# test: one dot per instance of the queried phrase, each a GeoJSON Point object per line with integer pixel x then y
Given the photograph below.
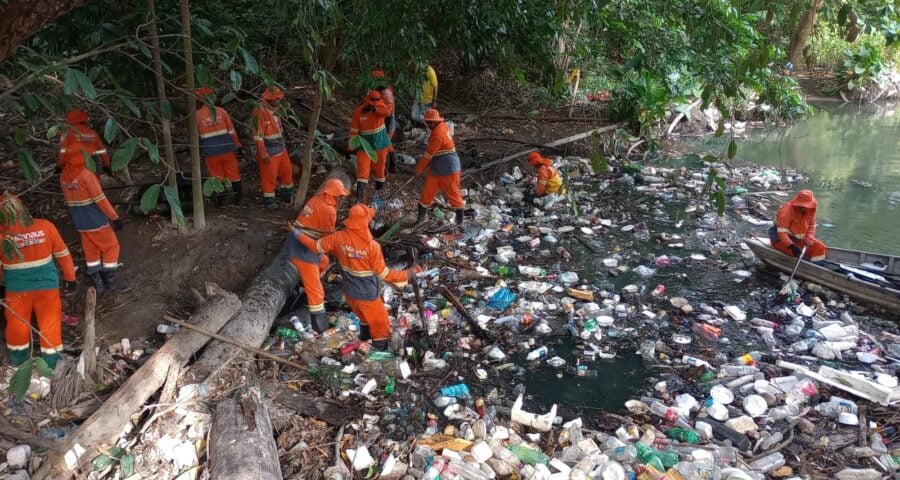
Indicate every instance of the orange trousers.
{"type": "Point", "coordinates": [224, 166]}
{"type": "Point", "coordinates": [101, 249]}
{"type": "Point", "coordinates": [364, 166]}
{"type": "Point", "coordinates": [311, 277]}
{"type": "Point", "coordinates": [374, 314]}
{"type": "Point", "coordinates": [46, 305]}
{"type": "Point", "coordinates": [449, 184]}
{"type": "Point", "coordinates": [814, 252]}
{"type": "Point", "coordinates": [279, 168]}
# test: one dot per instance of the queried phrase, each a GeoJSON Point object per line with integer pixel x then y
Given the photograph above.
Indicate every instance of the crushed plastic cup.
{"type": "Point", "coordinates": [755, 405]}
{"type": "Point", "coordinates": [717, 411]}
{"type": "Point", "coordinates": [847, 418]}
{"type": "Point", "coordinates": [721, 394]}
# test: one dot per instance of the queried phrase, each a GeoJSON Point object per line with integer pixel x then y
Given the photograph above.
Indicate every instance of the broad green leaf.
{"type": "Point", "coordinates": [28, 167]}
{"type": "Point", "coordinates": [174, 203]}
{"type": "Point", "coordinates": [166, 108]}
{"type": "Point", "coordinates": [720, 129]}
{"type": "Point", "coordinates": [21, 379]}
{"type": "Point", "coordinates": [360, 142]}
{"type": "Point", "coordinates": [21, 137]}
{"type": "Point", "coordinates": [692, 159]}
{"type": "Point", "coordinates": [250, 65]}
{"type": "Point", "coordinates": [123, 155]}
{"type": "Point", "coordinates": [110, 129]}
{"type": "Point", "coordinates": [732, 148]}
{"type": "Point", "coordinates": [236, 80]}
{"type": "Point", "coordinates": [149, 199]}
{"type": "Point", "coordinates": [130, 106]}
{"type": "Point", "coordinates": [86, 86]}
{"type": "Point", "coordinates": [710, 158]}
{"type": "Point", "coordinates": [151, 149]}
{"type": "Point", "coordinates": [42, 368]}
{"type": "Point", "coordinates": [212, 185]}
{"type": "Point", "coordinates": [720, 203]}
{"type": "Point", "coordinates": [70, 82]}
{"type": "Point", "coordinates": [89, 161]}
{"type": "Point", "coordinates": [53, 131]}
{"type": "Point", "coordinates": [227, 98]}
{"type": "Point", "coordinates": [10, 250]}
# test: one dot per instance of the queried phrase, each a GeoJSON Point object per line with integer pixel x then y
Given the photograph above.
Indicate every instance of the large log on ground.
{"type": "Point", "coordinates": [262, 302]}
{"type": "Point", "coordinates": [107, 422]}
{"type": "Point", "coordinates": [241, 443]}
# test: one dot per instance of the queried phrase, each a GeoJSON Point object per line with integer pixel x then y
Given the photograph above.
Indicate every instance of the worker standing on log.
{"type": "Point", "coordinates": [271, 152]}
{"type": "Point", "coordinates": [442, 165]}
{"type": "Point", "coordinates": [95, 219]}
{"type": "Point", "coordinates": [548, 180]}
{"type": "Point", "coordinates": [368, 123]}
{"type": "Point", "coordinates": [218, 142]}
{"type": "Point", "coordinates": [32, 282]}
{"type": "Point", "coordinates": [795, 228]}
{"type": "Point", "coordinates": [390, 122]}
{"type": "Point", "coordinates": [362, 270]}
{"type": "Point", "coordinates": [78, 136]}
{"type": "Point", "coordinates": [318, 217]}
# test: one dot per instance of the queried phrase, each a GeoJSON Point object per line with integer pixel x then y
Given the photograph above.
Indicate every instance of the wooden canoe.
{"type": "Point", "coordinates": [836, 279]}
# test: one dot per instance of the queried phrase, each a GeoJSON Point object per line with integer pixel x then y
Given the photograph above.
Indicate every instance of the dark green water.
{"type": "Point", "coordinates": [845, 148]}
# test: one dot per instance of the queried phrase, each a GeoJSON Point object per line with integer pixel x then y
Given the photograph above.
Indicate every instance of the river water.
{"type": "Point", "coordinates": [853, 155]}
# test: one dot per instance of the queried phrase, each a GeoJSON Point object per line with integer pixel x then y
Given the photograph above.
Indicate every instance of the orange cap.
{"type": "Point", "coordinates": [534, 159]}
{"type": "Point", "coordinates": [373, 95]}
{"type": "Point", "coordinates": [359, 217]}
{"type": "Point", "coordinates": [203, 91]}
{"type": "Point", "coordinates": [432, 115]}
{"type": "Point", "coordinates": [76, 116]}
{"type": "Point", "coordinates": [805, 199]}
{"type": "Point", "coordinates": [273, 93]}
{"type": "Point", "coordinates": [377, 73]}
{"type": "Point", "coordinates": [335, 188]}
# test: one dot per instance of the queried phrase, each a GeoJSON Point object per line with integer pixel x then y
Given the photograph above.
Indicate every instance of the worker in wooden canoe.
{"type": "Point", "coordinates": [795, 228]}
{"type": "Point", "coordinates": [362, 270]}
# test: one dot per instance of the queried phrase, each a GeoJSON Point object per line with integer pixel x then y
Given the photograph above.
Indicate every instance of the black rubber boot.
{"type": "Point", "coordinates": [364, 333]}
{"type": "Point", "coordinates": [319, 321]}
{"type": "Point", "coordinates": [360, 191]}
{"type": "Point", "coordinates": [379, 185]}
{"type": "Point", "coordinates": [420, 214]}
{"type": "Point", "coordinates": [380, 345]}
{"type": "Point", "coordinates": [392, 162]}
{"type": "Point", "coordinates": [238, 192]}
{"type": "Point", "coordinates": [109, 280]}
{"type": "Point", "coordinates": [459, 216]}
{"type": "Point", "coordinates": [98, 281]}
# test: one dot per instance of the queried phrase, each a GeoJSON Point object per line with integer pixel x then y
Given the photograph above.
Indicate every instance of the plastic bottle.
{"type": "Point", "coordinates": [298, 325]}
{"type": "Point", "coordinates": [795, 328]}
{"type": "Point", "coordinates": [722, 432]}
{"type": "Point", "coordinates": [750, 358]}
{"type": "Point", "coordinates": [858, 474]}
{"type": "Point", "coordinates": [670, 414]}
{"type": "Point", "coordinates": [738, 370]}
{"type": "Point", "coordinates": [878, 443]}
{"type": "Point", "coordinates": [683, 435]}
{"type": "Point", "coordinates": [465, 470]}
{"type": "Point", "coordinates": [539, 353]}
{"type": "Point", "coordinates": [802, 345]}
{"type": "Point", "coordinates": [784, 411]}
{"type": "Point", "coordinates": [768, 463]}
{"type": "Point", "coordinates": [527, 455]}
{"type": "Point", "coordinates": [648, 456]}
{"type": "Point", "coordinates": [625, 454]}
{"type": "Point", "coordinates": [287, 333]}
{"type": "Point", "coordinates": [438, 465]}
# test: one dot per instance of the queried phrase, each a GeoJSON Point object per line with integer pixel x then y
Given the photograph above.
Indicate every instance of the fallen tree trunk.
{"type": "Point", "coordinates": [241, 443]}
{"type": "Point", "coordinates": [107, 422]}
{"type": "Point", "coordinates": [332, 412]}
{"type": "Point", "coordinates": [555, 143]}
{"type": "Point", "coordinates": [262, 302]}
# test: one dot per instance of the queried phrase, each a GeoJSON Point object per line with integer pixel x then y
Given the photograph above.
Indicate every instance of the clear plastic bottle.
{"type": "Point", "coordinates": [878, 443]}
{"type": "Point", "coordinates": [738, 370]}
{"type": "Point", "coordinates": [537, 354]}
{"type": "Point", "coordinates": [670, 414]}
{"type": "Point", "coordinates": [768, 463]}
{"type": "Point", "coordinates": [802, 345]}
{"type": "Point", "coordinates": [795, 328]}
{"type": "Point", "coordinates": [528, 455]}
{"type": "Point", "coordinates": [624, 454]}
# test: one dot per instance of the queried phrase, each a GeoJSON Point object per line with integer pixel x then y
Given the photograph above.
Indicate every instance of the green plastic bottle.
{"type": "Point", "coordinates": [380, 356]}
{"type": "Point", "coordinates": [649, 456]}
{"type": "Point", "coordinates": [527, 455]}
{"type": "Point", "coordinates": [389, 388]}
{"type": "Point", "coordinates": [287, 333]}
{"type": "Point", "coordinates": [683, 435]}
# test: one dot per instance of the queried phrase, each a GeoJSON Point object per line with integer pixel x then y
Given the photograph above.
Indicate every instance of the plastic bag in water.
{"type": "Point", "coordinates": [502, 299]}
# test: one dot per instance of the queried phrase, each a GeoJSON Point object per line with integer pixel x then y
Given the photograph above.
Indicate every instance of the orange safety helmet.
{"type": "Point", "coordinates": [202, 92]}
{"type": "Point", "coordinates": [335, 188]}
{"type": "Point", "coordinates": [377, 73]}
{"type": "Point", "coordinates": [272, 94]}
{"type": "Point", "coordinates": [373, 96]}
{"type": "Point", "coordinates": [432, 115]}
{"type": "Point", "coordinates": [805, 199]}
{"type": "Point", "coordinates": [359, 217]}
{"type": "Point", "coordinates": [535, 159]}
{"type": "Point", "coordinates": [76, 116]}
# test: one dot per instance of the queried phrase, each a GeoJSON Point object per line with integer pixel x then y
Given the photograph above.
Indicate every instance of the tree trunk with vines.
{"type": "Point", "coordinates": [196, 174]}
{"type": "Point", "coordinates": [803, 31]}
{"type": "Point", "coordinates": [309, 150]}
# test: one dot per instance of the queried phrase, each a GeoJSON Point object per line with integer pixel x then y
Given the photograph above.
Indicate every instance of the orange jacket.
{"type": "Point", "coordinates": [792, 223]}
{"type": "Point", "coordinates": [361, 260]}
{"type": "Point", "coordinates": [217, 135]}
{"type": "Point", "coordinates": [267, 132]}
{"type": "Point", "coordinates": [368, 121]}
{"type": "Point", "coordinates": [38, 245]}
{"type": "Point", "coordinates": [318, 215]}
{"type": "Point", "coordinates": [78, 137]}
{"type": "Point", "coordinates": [440, 155]}
{"type": "Point", "coordinates": [87, 203]}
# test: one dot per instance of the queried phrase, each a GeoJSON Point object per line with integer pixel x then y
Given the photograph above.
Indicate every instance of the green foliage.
{"type": "Point", "coordinates": [123, 155]}
{"type": "Point", "coordinates": [358, 142]}
{"type": "Point", "coordinates": [150, 198]}
{"type": "Point", "coordinates": [715, 190]}
{"type": "Point", "coordinates": [28, 167]}
{"type": "Point", "coordinates": [21, 379]}
{"type": "Point", "coordinates": [214, 185]}
{"type": "Point", "coordinates": [861, 66]}
{"type": "Point", "coordinates": [174, 203]}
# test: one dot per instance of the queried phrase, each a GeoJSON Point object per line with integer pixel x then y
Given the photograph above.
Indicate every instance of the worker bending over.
{"type": "Point", "coordinates": [79, 137]}
{"type": "Point", "coordinates": [317, 218]}
{"type": "Point", "coordinates": [441, 166]}
{"type": "Point", "coordinates": [795, 228]}
{"type": "Point", "coordinates": [368, 123]}
{"type": "Point", "coordinates": [548, 180]}
{"type": "Point", "coordinates": [218, 142]}
{"type": "Point", "coordinates": [271, 152]}
{"type": "Point", "coordinates": [32, 282]}
{"type": "Point", "coordinates": [95, 219]}
{"type": "Point", "coordinates": [362, 270]}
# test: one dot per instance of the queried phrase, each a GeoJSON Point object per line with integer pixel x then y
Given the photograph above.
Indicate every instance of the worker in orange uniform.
{"type": "Point", "coordinates": [548, 180]}
{"type": "Point", "coordinates": [390, 122]}
{"type": "Point", "coordinates": [795, 228]}
{"type": "Point", "coordinates": [362, 270]}
{"type": "Point", "coordinates": [271, 152]}
{"type": "Point", "coordinates": [95, 219]}
{"type": "Point", "coordinates": [218, 142]}
{"type": "Point", "coordinates": [32, 283]}
{"type": "Point", "coordinates": [318, 217]}
{"type": "Point", "coordinates": [79, 136]}
{"type": "Point", "coordinates": [368, 123]}
{"type": "Point", "coordinates": [442, 165]}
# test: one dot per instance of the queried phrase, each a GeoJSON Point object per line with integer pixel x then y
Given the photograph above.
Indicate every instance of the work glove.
{"type": "Point", "coordinates": [796, 250]}
{"type": "Point", "coordinates": [117, 224]}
